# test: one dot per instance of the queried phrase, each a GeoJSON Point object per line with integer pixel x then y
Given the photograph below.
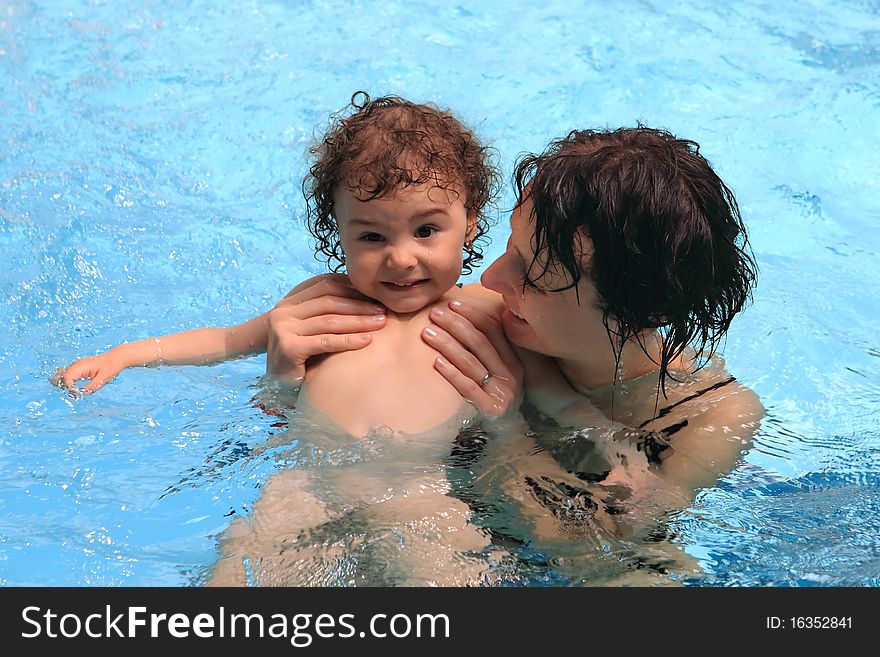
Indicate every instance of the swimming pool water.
{"type": "Point", "coordinates": [150, 158]}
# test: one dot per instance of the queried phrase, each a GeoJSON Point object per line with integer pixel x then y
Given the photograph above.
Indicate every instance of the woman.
{"type": "Point", "coordinates": [626, 263]}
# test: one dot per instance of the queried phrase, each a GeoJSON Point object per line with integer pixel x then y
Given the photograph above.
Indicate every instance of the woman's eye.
{"type": "Point", "coordinates": [527, 282]}
{"type": "Point", "coordinates": [372, 237]}
{"type": "Point", "coordinates": [425, 231]}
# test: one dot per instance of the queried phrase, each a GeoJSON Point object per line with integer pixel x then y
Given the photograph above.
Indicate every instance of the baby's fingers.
{"type": "Point", "coordinates": [82, 369]}
{"type": "Point", "coordinates": [57, 379]}
{"type": "Point", "coordinates": [99, 378]}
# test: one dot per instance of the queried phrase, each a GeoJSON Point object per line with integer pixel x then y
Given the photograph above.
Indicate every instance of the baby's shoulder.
{"type": "Point", "coordinates": [476, 295]}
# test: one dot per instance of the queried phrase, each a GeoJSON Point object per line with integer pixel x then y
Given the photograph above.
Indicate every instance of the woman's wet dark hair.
{"type": "Point", "coordinates": [669, 248]}
{"type": "Point", "coordinates": [375, 147]}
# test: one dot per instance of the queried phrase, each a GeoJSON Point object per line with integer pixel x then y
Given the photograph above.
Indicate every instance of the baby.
{"type": "Point", "coordinates": [396, 195]}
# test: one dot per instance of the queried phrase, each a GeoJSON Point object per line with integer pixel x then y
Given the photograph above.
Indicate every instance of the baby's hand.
{"type": "Point", "coordinates": [100, 369]}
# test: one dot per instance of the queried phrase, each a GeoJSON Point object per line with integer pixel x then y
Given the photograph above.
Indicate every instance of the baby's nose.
{"type": "Point", "coordinates": [401, 257]}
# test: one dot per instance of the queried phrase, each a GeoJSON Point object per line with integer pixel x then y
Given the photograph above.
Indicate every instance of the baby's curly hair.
{"type": "Point", "coordinates": [375, 147]}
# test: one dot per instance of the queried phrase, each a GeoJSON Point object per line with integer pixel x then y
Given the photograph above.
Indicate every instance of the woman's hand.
{"type": "Point", "coordinates": [101, 369]}
{"type": "Point", "coordinates": [320, 316]}
{"type": "Point", "coordinates": [476, 357]}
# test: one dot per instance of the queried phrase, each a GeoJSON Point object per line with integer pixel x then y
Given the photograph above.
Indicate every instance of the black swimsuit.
{"type": "Point", "coordinates": [577, 450]}
{"type": "Point", "coordinates": [575, 506]}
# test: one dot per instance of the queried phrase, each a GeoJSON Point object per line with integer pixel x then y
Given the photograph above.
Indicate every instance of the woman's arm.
{"type": "Point", "coordinates": [552, 395]}
{"type": "Point", "coordinates": [718, 427]}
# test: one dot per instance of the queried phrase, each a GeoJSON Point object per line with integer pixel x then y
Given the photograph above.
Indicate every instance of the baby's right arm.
{"type": "Point", "coordinates": [197, 347]}
{"type": "Point", "coordinates": [324, 314]}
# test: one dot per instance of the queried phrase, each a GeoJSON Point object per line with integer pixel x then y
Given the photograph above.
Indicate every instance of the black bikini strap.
{"type": "Point", "coordinates": [666, 410]}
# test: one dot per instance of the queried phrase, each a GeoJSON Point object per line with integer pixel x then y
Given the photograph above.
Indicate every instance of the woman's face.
{"type": "Point", "coordinates": [559, 324]}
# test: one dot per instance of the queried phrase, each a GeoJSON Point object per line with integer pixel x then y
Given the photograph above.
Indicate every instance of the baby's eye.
{"type": "Point", "coordinates": [371, 237]}
{"type": "Point", "coordinates": [425, 231]}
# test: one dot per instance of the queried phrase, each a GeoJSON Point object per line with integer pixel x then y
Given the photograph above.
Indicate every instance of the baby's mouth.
{"type": "Point", "coordinates": [403, 286]}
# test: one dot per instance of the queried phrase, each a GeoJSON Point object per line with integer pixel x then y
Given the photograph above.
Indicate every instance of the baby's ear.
{"type": "Point", "coordinates": [471, 232]}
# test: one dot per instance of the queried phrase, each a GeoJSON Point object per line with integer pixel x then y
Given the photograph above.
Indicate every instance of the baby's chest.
{"type": "Point", "coordinates": [396, 357]}
{"type": "Point", "coordinates": [391, 382]}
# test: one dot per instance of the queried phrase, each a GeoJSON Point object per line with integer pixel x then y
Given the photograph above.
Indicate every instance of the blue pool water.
{"type": "Point", "coordinates": [150, 158]}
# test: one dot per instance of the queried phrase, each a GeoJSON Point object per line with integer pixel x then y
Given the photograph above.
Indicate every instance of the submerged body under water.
{"type": "Point", "coordinates": [375, 510]}
{"type": "Point", "coordinates": [504, 502]}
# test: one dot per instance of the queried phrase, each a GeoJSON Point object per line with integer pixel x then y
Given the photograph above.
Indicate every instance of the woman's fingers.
{"type": "Point", "coordinates": [339, 279]}
{"type": "Point", "coordinates": [490, 326]}
{"type": "Point", "coordinates": [476, 336]}
{"type": "Point", "coordinates": [339, 324]}
{"type": "Point", "coordinates": [320, 316]}
{"type": "Point", "coordinates": [475, 357]}
{"type": "Point", "coordinates": [328, 343]}
{"type": "Point", "coordinates": [458, 355]}
{"type": "Point", "coordinates": [494, 398]}
{"type": "Point", "coordinates": [320, 286]}
{"type": "Point", "coordinates": [327, 305]}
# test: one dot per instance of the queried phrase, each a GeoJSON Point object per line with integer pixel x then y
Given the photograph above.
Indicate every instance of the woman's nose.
{"type": "Point", "coordinates": [497, 275]}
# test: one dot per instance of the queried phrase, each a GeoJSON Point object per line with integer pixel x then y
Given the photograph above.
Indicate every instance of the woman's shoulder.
{"type": "Point", "coordinates": [714, 418]}
{"type": "Point", "coordinates": [713, 392]}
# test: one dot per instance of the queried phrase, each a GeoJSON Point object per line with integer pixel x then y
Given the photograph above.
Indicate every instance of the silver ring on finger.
{"type": "Point", "coordinates": [485, 380]}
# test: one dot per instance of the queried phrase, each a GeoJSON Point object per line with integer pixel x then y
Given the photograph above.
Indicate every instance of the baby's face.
{"type": "Point", "coordinates": [403, 250]}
